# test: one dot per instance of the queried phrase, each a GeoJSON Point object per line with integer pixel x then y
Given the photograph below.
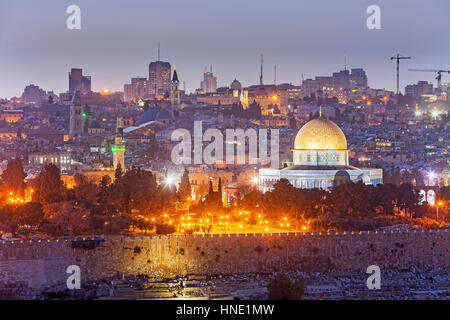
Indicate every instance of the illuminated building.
{"type": "Point", "coordinates": [227, 96]}
{"type": "Point", "coordinates": [62, 160]}
{"type": "Point", "coordinates": [127, 92]}
{"type": "Point", "coordinates": [11, 115]}
{"type": "Point", "coordinates": [339, 81]}
{"type": "Point", "coordinates": [320, 157]}
{"type": "Point", "coordinates": [267, 96]}
{"type": "Point", "coordinates": [358, 77]}
{"type": "Point", "coordinates": [209, 83]}
{"type": "Point", "coordinates": [159, 78]}
{"type": "Point", "coordinates": [419, 89]}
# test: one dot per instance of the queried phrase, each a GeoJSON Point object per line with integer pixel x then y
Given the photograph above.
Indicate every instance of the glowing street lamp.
{"type": "Point", "coordinates": [255, 180]}
{"type": "Point", "coordinates": [438, 204]}
{"type": "Point", "coordinates": [169, 180]}
{"type": "Point", "coordinates": [431, 177]}
{"type": "Point", "coordinates": [435, 114]}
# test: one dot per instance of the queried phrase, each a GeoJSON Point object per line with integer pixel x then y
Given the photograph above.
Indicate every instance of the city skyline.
{"type": "Point", "coordinates": [233, 151]}
{"type": "Point", "coordinates": [228, 36]}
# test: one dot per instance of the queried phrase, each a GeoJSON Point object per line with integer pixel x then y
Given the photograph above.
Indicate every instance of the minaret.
{"type": "Point", "coordinates": [118, 151]}
{"type": "Point", "coordinates": [175, 89]}
{"type": "Point", "coordinates": [77, 116]}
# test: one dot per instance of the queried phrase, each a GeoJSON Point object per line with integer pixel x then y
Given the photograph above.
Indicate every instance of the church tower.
{"type": "Point", "coordinates": [175, 89]}
{"type": "Point", "coordinates": [77, 116]}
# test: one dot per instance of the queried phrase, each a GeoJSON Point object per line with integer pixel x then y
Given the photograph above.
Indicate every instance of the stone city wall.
{"type": "Point", "coordinates": [39, 264]}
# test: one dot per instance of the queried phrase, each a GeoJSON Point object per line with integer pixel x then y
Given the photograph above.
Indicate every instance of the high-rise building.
{"type": "Point", "coordinates": [139, 87]}
{"type": "Point", "coordinates": [209, 83]}
{"type": "Point", "coordinates": [77, 116]}
{"type": "Point", "coordinates": [78, 82]}
{"type": "Point", "coordinates": [358, 77]}
{"type": "Point", "coordinates": [339, 81]}
{"type": "Point", "coordinates": [175, 89]}
{"type": "Point", "coordinates": [417, 90]}
{"type": "Point", "coordinates": [159, 78]}
{"type": "Point", "coordinates": [127, 92]}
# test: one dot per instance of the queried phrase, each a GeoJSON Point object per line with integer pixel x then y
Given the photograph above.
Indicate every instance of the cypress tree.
{"type": "Point", "coordinates": [184, 191]}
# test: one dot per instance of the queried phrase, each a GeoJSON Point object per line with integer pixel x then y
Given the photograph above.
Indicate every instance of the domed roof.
{"type": "Point", "coordinates": [149, 115]}
{"type": "Point", "coordinates": [320, 134]}
{"type": "Point", "coordinates": [235, 85]}
{"type": "Point", "coordinates": [153, 114]}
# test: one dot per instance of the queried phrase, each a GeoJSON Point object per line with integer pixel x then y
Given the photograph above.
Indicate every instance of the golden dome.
{"type": "Point", "coordinates": [320, 134]}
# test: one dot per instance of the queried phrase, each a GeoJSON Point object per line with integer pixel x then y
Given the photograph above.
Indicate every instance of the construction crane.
{"type": "Point", "coordinates": [398, 57]}
{"type": "Point", "coordinates": [438, 72]}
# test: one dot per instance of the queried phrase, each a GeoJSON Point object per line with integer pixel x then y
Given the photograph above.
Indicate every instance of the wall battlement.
{"type": "Point", "coordinates": [41, 263]}
{"type": "Point", "coordinates": [228, 235]}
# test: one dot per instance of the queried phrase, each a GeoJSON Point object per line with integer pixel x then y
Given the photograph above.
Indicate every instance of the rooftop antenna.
{"type": "Point", "coordinates": [159, 51]}
{"type": "Point", "coordinates": [345, 62]}
{"type": "Point", "coordinates": [210, 68]}
{"type": "Point", "coordinates": [261, 74]}
{"type": "Point", "coordinates": [275, 74]}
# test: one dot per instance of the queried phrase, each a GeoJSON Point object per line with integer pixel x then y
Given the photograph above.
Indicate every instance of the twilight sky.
{"type": "Point", "coordinates": [119, 38]}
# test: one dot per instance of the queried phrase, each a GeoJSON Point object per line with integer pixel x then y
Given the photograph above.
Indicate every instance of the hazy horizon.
{"type": "Point", "coordinates": [119, 39]}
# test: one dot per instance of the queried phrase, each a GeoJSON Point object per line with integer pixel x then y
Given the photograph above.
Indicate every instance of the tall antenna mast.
{"type": "Point", "coordinates": [159, 51]}
{"type": "Point", "coordinates": [275, 74]}
{"type": "Point", "coordinates": [345, 61]}
{"type": "Point", "coordinates": [261, 74]}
